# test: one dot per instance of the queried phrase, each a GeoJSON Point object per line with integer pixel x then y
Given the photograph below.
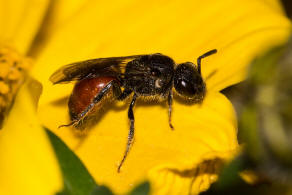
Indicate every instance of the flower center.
{"type": "Point", "coordinates": [13, 68]}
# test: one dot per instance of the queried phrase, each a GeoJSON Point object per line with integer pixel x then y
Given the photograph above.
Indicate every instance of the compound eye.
{"type": "Point", "coordinates": [185, 88]}
{"type": "Point", "coordinates": [188, 82]}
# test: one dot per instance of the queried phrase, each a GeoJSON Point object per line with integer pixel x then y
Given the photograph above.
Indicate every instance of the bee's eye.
{"type": "Point", "coordinates": [184, 87]}
{"type": "Point", "coordinates": [188, 82]}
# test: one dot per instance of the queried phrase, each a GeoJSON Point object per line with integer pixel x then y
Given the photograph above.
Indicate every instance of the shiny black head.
{"type": "Point", "coordinates": [188, 80]}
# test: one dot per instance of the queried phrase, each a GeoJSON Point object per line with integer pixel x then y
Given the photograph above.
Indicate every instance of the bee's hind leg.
{"type": "Point", "coordinates": [73, 123]}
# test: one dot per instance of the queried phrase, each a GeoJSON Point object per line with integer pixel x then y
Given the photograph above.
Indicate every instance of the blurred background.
{"type": "Point", "coordinates": [264, 109]}
{"type": "Point", "coordinates": [288, 7]}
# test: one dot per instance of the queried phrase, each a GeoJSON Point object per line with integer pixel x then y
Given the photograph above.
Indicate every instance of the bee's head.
{"type": "Point", "coordinates": [188, 82]}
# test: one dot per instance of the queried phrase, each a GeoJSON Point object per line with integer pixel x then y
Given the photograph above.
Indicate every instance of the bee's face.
{"type": "Point", "coordinates": [188, 82]}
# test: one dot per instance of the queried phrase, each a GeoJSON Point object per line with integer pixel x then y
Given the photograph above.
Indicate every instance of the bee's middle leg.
{"type": "Point", "coordinates": [170, 99]}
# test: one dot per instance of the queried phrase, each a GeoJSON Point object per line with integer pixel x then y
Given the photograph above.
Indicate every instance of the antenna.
{"type": "Point", "coordinates": [203, 56]}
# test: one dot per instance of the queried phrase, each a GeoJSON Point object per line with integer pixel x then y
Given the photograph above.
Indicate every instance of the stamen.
{"type": "Point", "coordinates": [13, 69]}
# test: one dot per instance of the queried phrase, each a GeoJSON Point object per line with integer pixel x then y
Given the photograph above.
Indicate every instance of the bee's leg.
{"type": "Point", "coordinates": [74, 122]}
{"type": "Point", "coordinates": [131, 132]}
{"type": "Point", "coordinates": [170, 98]}
{"type": "Point", "coordinates": [123, 95]}
{"type": "Point", "coordinates": [113, 84]}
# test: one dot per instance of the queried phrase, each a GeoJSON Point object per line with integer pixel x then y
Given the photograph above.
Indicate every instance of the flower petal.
{"type": "Point", "coordinates": [201, 133]}
{"type": "Point", "coordinates": [240, 30]}
{"type": "Point", "coordinates": [58, 14]}
{"type": "Point", "coordinates": [275, 5]}
{"type": "Point", "coordinates": [20, 21]}
{"type": "Point", "coordinates": [27, 164]}
{"type": "Point", "coordinates": [181, 30]}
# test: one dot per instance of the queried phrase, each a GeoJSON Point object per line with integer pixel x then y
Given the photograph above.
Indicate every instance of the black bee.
{"type": "Point", "coordinates": [140, 75]}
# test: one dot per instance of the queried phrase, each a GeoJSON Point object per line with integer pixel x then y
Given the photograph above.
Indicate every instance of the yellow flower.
{"type": "Point", "coordinates": [27, 163]}
{"type": "Point", "coordinates": [187, 159]}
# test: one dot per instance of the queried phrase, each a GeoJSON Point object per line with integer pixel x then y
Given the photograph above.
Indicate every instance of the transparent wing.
{"type": "Point", "coordinates": [91, 68]}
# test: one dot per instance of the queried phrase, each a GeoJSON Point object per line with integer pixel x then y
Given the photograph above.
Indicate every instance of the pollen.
{"type": "Point", "coordinates": [12, 74]}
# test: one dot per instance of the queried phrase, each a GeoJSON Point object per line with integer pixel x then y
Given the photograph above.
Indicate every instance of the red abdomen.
{"type": "Point", "coordinates": [83, 94]}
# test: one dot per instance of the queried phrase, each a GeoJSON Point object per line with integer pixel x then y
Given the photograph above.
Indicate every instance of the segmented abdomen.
{"type": "Point", "coordinates": [83, 94]}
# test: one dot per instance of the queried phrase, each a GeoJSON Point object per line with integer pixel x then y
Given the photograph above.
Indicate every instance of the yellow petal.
{"type": "Point", "coordinates": [27, 164]}
{"type": "Point", "coordinates": [275, 5]}
{"type": "Point", "coordinates": [61, 12]}
{"type": "Point", "coordinates": [58, 14]}
{"type": "Point", "coordinates": [201, 133]}
{"type": "Point", "coordinates": [240, 30]}
{"type": "Point", "coordinates": [20, 21]}
{"type": "Point", "coordinates": [181, 30]}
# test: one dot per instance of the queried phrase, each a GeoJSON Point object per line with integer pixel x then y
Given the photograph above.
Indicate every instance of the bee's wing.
{"type": "Point", "coordinates": [91, 68]}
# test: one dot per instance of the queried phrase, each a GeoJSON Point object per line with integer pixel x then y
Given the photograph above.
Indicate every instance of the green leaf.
{"type": "Point", "coordinates": [101, 190]}
{"type": "Point", "coordinates": [77, 180]}
{"type": "Point", "coordinates": [142, 189]}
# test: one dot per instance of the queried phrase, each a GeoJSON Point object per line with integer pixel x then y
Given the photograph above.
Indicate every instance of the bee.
{"type": "Point", "coordinates": [135, 76]}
